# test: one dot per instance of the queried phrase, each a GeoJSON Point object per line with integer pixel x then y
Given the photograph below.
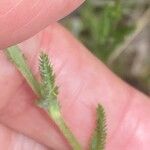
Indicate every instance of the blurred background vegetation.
{"type": "Point", "coordinates": [118, 33]}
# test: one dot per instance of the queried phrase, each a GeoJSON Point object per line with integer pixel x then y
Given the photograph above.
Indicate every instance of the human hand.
{"type": "Point", "coordinates": [83, 82]}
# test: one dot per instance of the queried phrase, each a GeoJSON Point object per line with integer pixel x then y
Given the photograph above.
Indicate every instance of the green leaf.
{"type": "Point", "coordinates": [47, 75]}
{"type": "Point", "coordinates": [99, 138]}
{"type": "Point", "coordinates": [49, 90]}
{"type": "Point", "coordinates": [17, 58]}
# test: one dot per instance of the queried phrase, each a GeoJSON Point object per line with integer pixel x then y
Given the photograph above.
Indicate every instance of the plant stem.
{"type": "Point", "coordinates": [17, 58]}
{"type": "Point", "coordinates": [67, 133]}
{"type": "Point", "coordinates": [53, 110]}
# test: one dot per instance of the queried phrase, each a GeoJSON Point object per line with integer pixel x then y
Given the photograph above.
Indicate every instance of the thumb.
{"type": "Point", "coordinates": [21, 19]}
{"type": "Point", "coordinates": [83, 83]}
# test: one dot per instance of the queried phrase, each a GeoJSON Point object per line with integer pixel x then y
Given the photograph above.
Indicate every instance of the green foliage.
{"type": "Point", "coordinates": [47, 76]}
{"type": "Point", "coordinates": [49, 89]}
{"type": "Point", "coordinates": [99, 138]}
{"type": "Point", "coordinates": [102, 27]}
{"type": "Point", "coordinates": [48, 92]}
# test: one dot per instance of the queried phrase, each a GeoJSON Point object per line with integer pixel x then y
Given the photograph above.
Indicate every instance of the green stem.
{"type": "Point", "coordinates": [55, 114]}
{"type": "Point", "coordinates": [17, 58]}
{"type": "Point", "coordinates": [68, 134]}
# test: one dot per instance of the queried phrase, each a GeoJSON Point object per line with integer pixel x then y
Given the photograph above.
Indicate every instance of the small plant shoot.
{"type": "Point", "coordinates": [47, 92]}
{"type": "Point", "coordinates": [99, 138]}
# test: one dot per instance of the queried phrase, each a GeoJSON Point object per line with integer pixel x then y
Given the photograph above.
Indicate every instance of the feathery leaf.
{"type": "Point", "coordinates": [99, 138]}
{"type": "Point", "coordinates": [49, 90]}
{"type": "Point", "coordinates": [47, 75]}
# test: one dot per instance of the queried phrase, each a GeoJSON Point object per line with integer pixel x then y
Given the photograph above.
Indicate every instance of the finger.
{"type": "Point", "coordinates": [83, 82]}
{"type": "Point", "coordinates": [20, 19]}
{"type": "Point", "coordinates": [16, 141]}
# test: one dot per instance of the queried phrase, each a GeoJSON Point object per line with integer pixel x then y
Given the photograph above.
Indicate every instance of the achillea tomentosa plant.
{"type": "Point", "coordinates": [47, 91]}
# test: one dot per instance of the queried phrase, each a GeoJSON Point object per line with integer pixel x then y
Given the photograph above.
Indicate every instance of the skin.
{"type": "Point", "coordinates": [83, 83]}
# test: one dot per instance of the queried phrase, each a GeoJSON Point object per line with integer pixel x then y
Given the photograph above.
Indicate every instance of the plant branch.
{"type": "Point", "coordinates": [47, 91]}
